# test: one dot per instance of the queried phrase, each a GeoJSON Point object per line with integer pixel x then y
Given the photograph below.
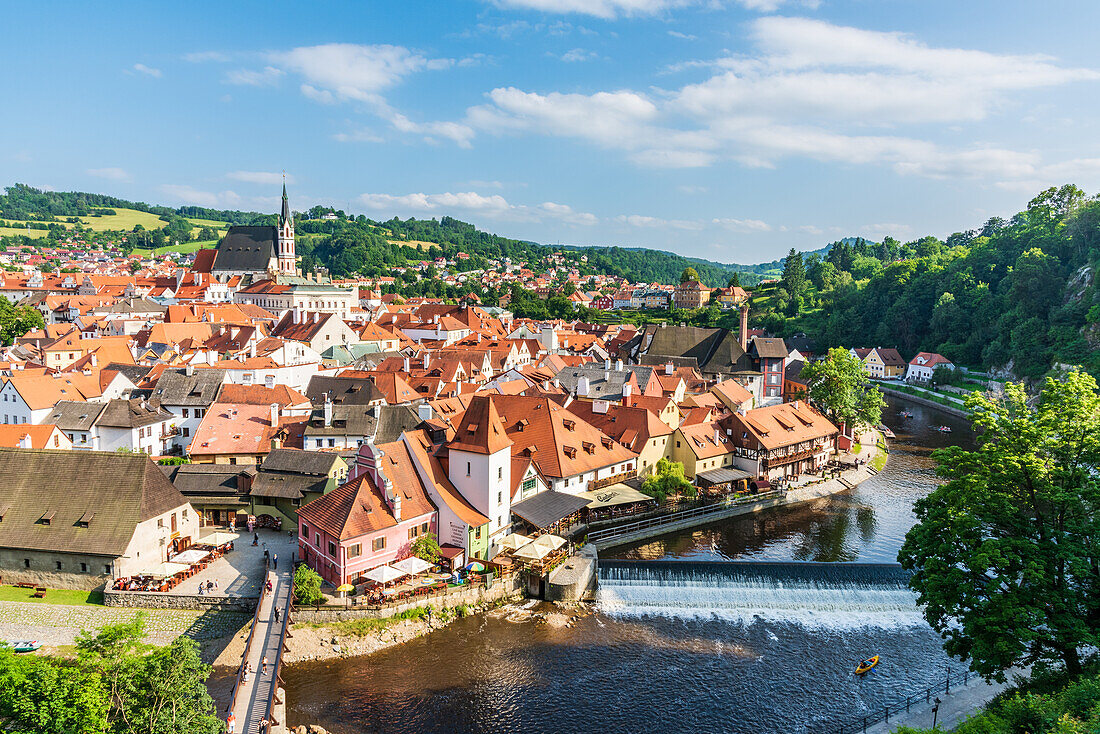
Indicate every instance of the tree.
{"type": "Point", "coordinates": [668, 478]}
{"type": "Point", "coordinates": [426, 548]}
{"type": "Point", "coordinates": [1005, 554]}
{"type": "Point", "coordinates": [837, 385]}
{"type": "Point", "coordinates": [794, 273]}
{"type": "Point", "coordinates": [307, 585]}
{"type": "Point", "coordinates": [689, 273]}
{"type": "Point", "coordinates": [735, 280]}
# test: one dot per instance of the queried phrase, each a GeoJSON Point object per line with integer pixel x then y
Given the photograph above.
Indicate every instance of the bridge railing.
{"type": "Point", "coordinates": [247, 647]}
{"type": "Point", "coordinates": [276, 680]}
{"type": "Point", "coordinates": [598, 536]}
{"type": "Point", "coordinates": [883, 713]}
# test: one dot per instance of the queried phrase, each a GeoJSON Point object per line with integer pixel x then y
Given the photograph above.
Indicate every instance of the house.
{"type": "Point", "coordinates": [77, 519]}
{"type": "Point", "coordinates": [187, 393]}
{"type": "Point", "coordinates": [702, 447]}
{"type": "Point", "coordinates": [770, 358]}
{"type": "Point", "coordinates": [883, 363]}
{"type": "Point", "coordinates": [130, 425]}
{"type": "Point", "coordinates": [690, 294]}
{"type": "Point", "coordinates": [290, 478]}
{"type": "Point", "coordinates": [922, 366]}
{"type": "Point", "coordinates": [338, 427]}
{"type": "Point", "coordinates": [218, 492]}
{"type": "Point", "coordinates": [370, 520]}
{"type": "Point", "coordinates": [713, 352]}
{"type": "Point", "coordinates": [238, 433]}
{"type": "Point", "coordinates": [730, 297]}
{"type": "Point", "coordinates": [795, 386]}
{"type": "Point", "coordinates": [779, 441]}
{"type": "Point", "coordinates": [27, 436]}
{"type": "Point", "coordinates": [318, 330]}
{"type": "Point", "coordinates": [638, 429]}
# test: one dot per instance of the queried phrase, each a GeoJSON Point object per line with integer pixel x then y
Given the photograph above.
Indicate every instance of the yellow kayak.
{"type": "Point", "coordinates": [866, 665]}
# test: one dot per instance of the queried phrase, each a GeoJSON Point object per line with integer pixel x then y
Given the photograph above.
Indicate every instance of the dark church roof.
{"type": "Point", "coordinates": [247, 249]}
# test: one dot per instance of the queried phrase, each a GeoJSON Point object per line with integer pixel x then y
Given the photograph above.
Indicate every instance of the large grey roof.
{"type": "Point", "coordinates": [314, 463]}
{"type": "Point", "coordinates": [343, 390]}
{"type": "Point", "coordinates": [713, 350]}
{"type": "Point", "coordinates": [176, 387]}
{"type": "Point", "coordinates": [546, 508]}
{"type": "Point", "coordinates": [384, 423]}
{"type": "Point", "coordinates": [75, 415]}
{"type": "Point", "coordinates": [603, 384]}
{"type": "Point", "coordinates": [207, 481]}
{"type": "Point", "coordinates": [768, 347]}
{"type": "Point", "coordinates": [113, 492]}
{"type": "Point", "coordinates": [131, 414]}
{"type": "Point", "coordinates": [246, 249]}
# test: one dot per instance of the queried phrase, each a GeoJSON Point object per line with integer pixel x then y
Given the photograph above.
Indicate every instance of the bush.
{"type": "Point", "coordinates": [307, 585]}
{"type": "Point", "coordinates": [426, 548]}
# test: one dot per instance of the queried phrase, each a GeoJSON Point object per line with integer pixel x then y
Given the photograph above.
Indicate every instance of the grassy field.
{"type": "Point", "coordinates": [53, 596]}
{"type": "Point", "coordinates": [121, 219]}
{"type": "Point", "coordinates": [418, 244]}
{"type": "Point", "coordinates": [185, 248]}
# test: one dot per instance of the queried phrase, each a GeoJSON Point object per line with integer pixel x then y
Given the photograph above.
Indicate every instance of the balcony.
{"type": "Point", "coordinates": [608, 481]}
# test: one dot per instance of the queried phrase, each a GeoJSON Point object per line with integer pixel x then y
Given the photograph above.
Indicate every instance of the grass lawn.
{"type": "Point", "coordinates": [123, 219]}
{"type": "Point", "coordinates": [879, 461]}
{"type": "Point", "coordinates": [185, 248]}
{"type": "Point", "coordinates": [18, 231]}
{"type": "Point", "coordinates": [53, 596]}
{"type": "Point", "coordinates": [206, 223]}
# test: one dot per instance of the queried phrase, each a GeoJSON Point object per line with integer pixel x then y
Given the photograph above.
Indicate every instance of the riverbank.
{"type": "Point", "coordinates": [957, 408]}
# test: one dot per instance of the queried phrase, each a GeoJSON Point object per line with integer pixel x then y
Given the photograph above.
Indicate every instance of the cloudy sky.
{"type": "Point", "coordinates": [725, 129]}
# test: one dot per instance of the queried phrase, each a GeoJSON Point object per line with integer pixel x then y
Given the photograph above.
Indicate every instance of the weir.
{"type": "Point", "coordinates": [831, 594]}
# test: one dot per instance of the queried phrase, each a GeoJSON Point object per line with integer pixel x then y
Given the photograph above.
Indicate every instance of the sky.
{"type": "Point", "coordinates": [730, 130]}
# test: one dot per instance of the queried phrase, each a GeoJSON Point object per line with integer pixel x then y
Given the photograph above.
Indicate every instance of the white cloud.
{"type": "Point", "coordinates": [147, 70]}
{"type": "Point", "coordinates": [266, 178]}
{"type": "Point", "coordinates": [691, 189]}
{"type": "Point", "coordinates": [493, 206]}
{"type": "Point", "coordinates": [742, 225]}
{"type": "Point", "coordinates": [811, 90]}
{"type": "Point", "coordinates": [607, 9]}
{"type": "Point", "coordinates": [110, 173]}
{"type": "Point", "coordinates": [641, 220]}
{"type": "Point", "coordinates": [317, 95]}
{"type": "Point", "coordinates": [349, 71]}
{"type": "Point", "coordinates": [683, 36]}
{"type": "Point", "coordinates": [191, 195]}
{"type": "Point", "coordinates": [358, 135]}
{"type": "Point", "coordinates": [267, 77]}
{"type": "Point", "coordinates": [455, 131]}
{"type": "Point", "coordinates": [578, 54]}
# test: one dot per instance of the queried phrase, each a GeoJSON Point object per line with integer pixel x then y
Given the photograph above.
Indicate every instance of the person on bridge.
{"type": "Point", "coordinates": [275, 561]}
{"type": "Point", "coordinates": [277, 614]}
{"type": "Point", "coordinates": [263, 670]}
{"type": "Point", "coordinates": [231, 724]}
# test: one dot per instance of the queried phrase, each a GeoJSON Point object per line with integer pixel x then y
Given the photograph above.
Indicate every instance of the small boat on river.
{"type": "Point", "coordinates": [24, 645]}
{"type": "Point", "coordinates": [943, 429]}
{"type": "Point", "coordinates": [905, 414]}
{"type": "Point", "coordinates": [866, 665]}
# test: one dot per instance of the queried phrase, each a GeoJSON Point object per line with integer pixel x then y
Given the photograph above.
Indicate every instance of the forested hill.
{"type": "Point", "coordinates": [1020, 293]}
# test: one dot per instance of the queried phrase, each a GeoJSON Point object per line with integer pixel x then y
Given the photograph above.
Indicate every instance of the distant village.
{"type": "Point", "coordinates": [227, 390]}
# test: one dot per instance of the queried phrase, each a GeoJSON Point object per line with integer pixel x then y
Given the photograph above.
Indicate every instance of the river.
{"type": "Point", "coordinates": [691, 647]}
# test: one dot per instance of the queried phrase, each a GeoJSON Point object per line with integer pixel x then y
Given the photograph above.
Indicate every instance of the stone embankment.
{"type": "Point", "coordinates": [959, 412]}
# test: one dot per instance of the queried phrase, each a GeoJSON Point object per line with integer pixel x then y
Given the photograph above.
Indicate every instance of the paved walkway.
{"type": "Point", "coordinates": [241, 571]}
{"type": "Point", "coordinates": [252, 697]}
{"type": "Point", "coordinates": [955, 707]}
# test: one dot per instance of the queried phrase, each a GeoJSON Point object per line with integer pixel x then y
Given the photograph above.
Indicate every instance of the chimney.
{"type": "Point", "coordinates": [424, 411]}
{"type": "Point", "coordinates": [95, 360]}
{"type": "Point", "coordinates": [297, 315]}
{"type": "Point", "coordinates": [189, 370]}
{"type": "Point", "coordinates": [627, 390]}
{"type": "Point", "coordinates": [274, 415]}
{"type": "Point", "coordinates": [25, 441]}
{"type": "Point", "coordinates": [405, 365]}
{"type": "Point", "coordinates": [316, 316]}
{"type": "Point", "coordinates": [427, 359]}
{"type": "Point", "coordinates": [668, 368]}
{"type": "Point", "coordinates": [582, 387]}
{"type": "Point", "coordinates": [252, 349]}
{"type": "Point", "coordinates": [619, 365]}
{"type": "Point", "coordinates": [745, 327]}
{"type": "Point", "coordinates": [396, 503]}
{"type": "Point", "coordinates": [328, 411]}
{"type": "Point", "coordinates": [212, 357]}
{"type": "Point", "coordinates": [717, 436]}
{"type": "Point", "coordinates": [607, 364]}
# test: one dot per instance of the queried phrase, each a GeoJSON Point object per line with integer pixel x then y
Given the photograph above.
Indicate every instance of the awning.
{"type": "Point", "coordinates": [550, 542]}
{"type": "Point", "coordinates": [218, 538]}
{"type": "Point", "coordinates": [513, 541]}
{"type": "Point", "coordinates": [412, 565]}
{"type": "Point", "coordinates": [532, 552]}
{"type": "Point", "coordinates": [190, 556]}
{"type": "Point", "coordinates": [761, 484]}
{"type": "Point", "coordinates": [616, 494]}
{"type": "Point", "coordinates": [384, 574]}
{"type": "Point", "coordinates": [165, 569]}
{"type": "Point", "coordinates": [450, 552]}
{"type": "Point", "coordinates": [715, 477]}
{"type": "Point", "coordinates": [547, 508]}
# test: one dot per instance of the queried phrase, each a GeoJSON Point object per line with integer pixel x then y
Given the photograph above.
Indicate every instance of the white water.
{"type": "Point", "coordinates": [806, 603]}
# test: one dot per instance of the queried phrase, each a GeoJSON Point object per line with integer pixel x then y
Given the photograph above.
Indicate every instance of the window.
{"type": "Point", "coordinates": [424, 527]}
{"type": "Point", "coordinates": [500, 498]}
{"type": "Point", "coordinates": [107, 570]}
{"type": "Point", "coordinates": [83, 568]}
{"type": "Point", "coordinates": [305, 531]}
{"type": "Point", "coordinates": [677, 444]}
{"type": "Point", "coordinates": [467, 468]}
{"type": "Point", "coordinates": [500, 472]}
{"type": "Point", "coordinates": [354, 551]}
{"type": "Point", "coordinates": [332, 549]}
{"type": "Point", "coordinates": [186, 412]}
{"type": "Point", "coordinates": [378, 544]}
{"type": "Point", "coordinates": [58, 564]}
{"type": "Point", "coordinates": [186, 432]}
{"type": "Point", "coordinates": [331, 442]}
{"type": "Point", "coordinates": [26, 563]}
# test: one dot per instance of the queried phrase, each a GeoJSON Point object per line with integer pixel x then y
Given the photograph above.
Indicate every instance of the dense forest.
{"type": "Point", "coordinates": [1019, 293]}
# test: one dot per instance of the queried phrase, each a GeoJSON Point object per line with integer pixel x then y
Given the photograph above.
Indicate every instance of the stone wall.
{"type": "Point", "coordinates": [156, 600]}
{"type": "Point", "coordinates": [43, 569]}
{"type": "Point", "coordinates": [500, 590]}
{"type": "Point", "coordinates": [575, 579]}
{"type": "Point", "coordinates": [960, 412]}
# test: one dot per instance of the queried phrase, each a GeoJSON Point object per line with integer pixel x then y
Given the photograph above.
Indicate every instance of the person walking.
{"type": "Point", "coordinates": [262, 728]}
{"type": "Point", "coordinates": [231, 723]}
{"type": "Point", "coordinates": [275, 561]}
{"type": "Point", "coordinates": [263, 663]}
{"type": "Point", "coordinates": [276, 615]}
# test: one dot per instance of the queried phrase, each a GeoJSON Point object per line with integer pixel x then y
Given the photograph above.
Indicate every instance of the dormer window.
{"type": "Point", "coordinates": [85, 520]}
{"type": "Point", "coordinates": [47, 518]}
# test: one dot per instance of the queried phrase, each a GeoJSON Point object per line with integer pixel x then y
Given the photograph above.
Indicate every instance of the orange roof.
{"type": "Point", "coordinates": [480, 431]}
{"type": "Point", "coordinates": [260, 395]}
{"type": "Point", "coordinates": [239, 428]}
{"type": "Point", "coordinates": [421, 447]}
{"type": "Point", "coordinates": [12, 434]}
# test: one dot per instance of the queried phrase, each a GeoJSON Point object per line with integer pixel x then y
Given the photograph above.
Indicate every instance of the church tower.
{"type": "Point", "coordinates": [287, 263]}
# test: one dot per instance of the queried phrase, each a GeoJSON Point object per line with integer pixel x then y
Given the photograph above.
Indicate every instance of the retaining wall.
{"type": "Point", "coordinates": [157, 600]}
{"type": "Point", "coordinates": [960, 412]}
{"type": "Point", "coordinates": [501, 589]}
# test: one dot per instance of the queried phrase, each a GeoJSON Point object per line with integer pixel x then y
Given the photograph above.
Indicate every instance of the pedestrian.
{"type": "Point", "coordinates": [247, 672]}
{"type": "Point", "coordinates": [263, 666]}
{"type": "Point", "coordinates": [215, 583]}
{"type": "Point", "coordinates": [276, 615]}
{"type": "Point", "coordinates": [263, 725]}
{"type": "Point", "coordinates": [201, 586]}
{"type": "Point", "coordinates": [275, 561]}
{"type": "Point", "coordinates": [255, 539]}
{"type": "Point", "coordinates": [230, 723]}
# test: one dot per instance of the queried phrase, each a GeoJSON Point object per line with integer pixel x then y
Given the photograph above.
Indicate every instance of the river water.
{"type": "Point", "coordinates": [679, 643]}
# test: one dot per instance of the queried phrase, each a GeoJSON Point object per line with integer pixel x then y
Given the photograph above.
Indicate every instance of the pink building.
{"type": "Point", "coordinates": [369, 521]}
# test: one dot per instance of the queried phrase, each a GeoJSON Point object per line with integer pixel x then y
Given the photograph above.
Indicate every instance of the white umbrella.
{"type": "Point", "coordinates": [412, 565]}
{"type": "Point", "coordinates": [550, 542]}
{"type": "Point", "coordinates": [514, 541]}
{"type": "Point", "coordinates": [219, 538]}
{"type": "Point", "coordinates": [384, 574]}
{"type": "Point", "coordinates": [532, 552]}
{"type": "Point", "coordinates": [164, 569]}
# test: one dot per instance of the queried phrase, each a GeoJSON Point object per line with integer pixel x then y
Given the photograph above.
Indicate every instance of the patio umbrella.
{"type": "Point", "coordinates": [550, 542]}
{"type": "Point", "coordinates": [412, 565]}
{"type": "Point", "coordinates": [532, 552]}
{"type": "Point", "coordinates": [514, 541]}
{"type": "Point", "coordinates": [165, 569]}
{"type": "Point", "coordinates": [475, 566]}
{"type": "Point", "coordinates": [345, 588]}
{"type": "Point", "coordinates": [219, 538]}
{"type": "Point", "coordinates": [384, 574]}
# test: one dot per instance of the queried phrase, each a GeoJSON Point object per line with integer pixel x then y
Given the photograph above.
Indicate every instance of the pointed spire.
{"type": "Point", "coordinates": [286, 205]}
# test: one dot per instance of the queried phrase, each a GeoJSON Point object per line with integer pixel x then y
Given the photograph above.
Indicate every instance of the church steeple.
{"type": "Point", "coordinates": [285, 249]}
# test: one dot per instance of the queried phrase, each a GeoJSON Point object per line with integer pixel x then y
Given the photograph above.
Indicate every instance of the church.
{"type": "Point", "coordinates": [259, 266]}
{"type": "Point", "coordinates": [253, 253]}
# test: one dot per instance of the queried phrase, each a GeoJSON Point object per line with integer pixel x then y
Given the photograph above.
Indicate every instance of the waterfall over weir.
{"type": "Point", "coordinates": [811, 594]}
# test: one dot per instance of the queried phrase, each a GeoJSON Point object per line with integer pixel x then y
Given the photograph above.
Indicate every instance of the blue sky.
{"type": "Point", "coordinates": [725, 129]}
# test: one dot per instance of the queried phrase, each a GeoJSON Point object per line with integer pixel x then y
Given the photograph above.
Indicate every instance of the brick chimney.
{"type": "Point", "coordinates": [274, 415]}
{"type": "Point", "coordinates": [328, 411]}
{"type": "Point", "coordinates": [745, 326]}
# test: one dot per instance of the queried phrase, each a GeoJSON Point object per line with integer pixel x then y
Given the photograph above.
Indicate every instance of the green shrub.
{"type": "Point", "coordinates": [307, 585]}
